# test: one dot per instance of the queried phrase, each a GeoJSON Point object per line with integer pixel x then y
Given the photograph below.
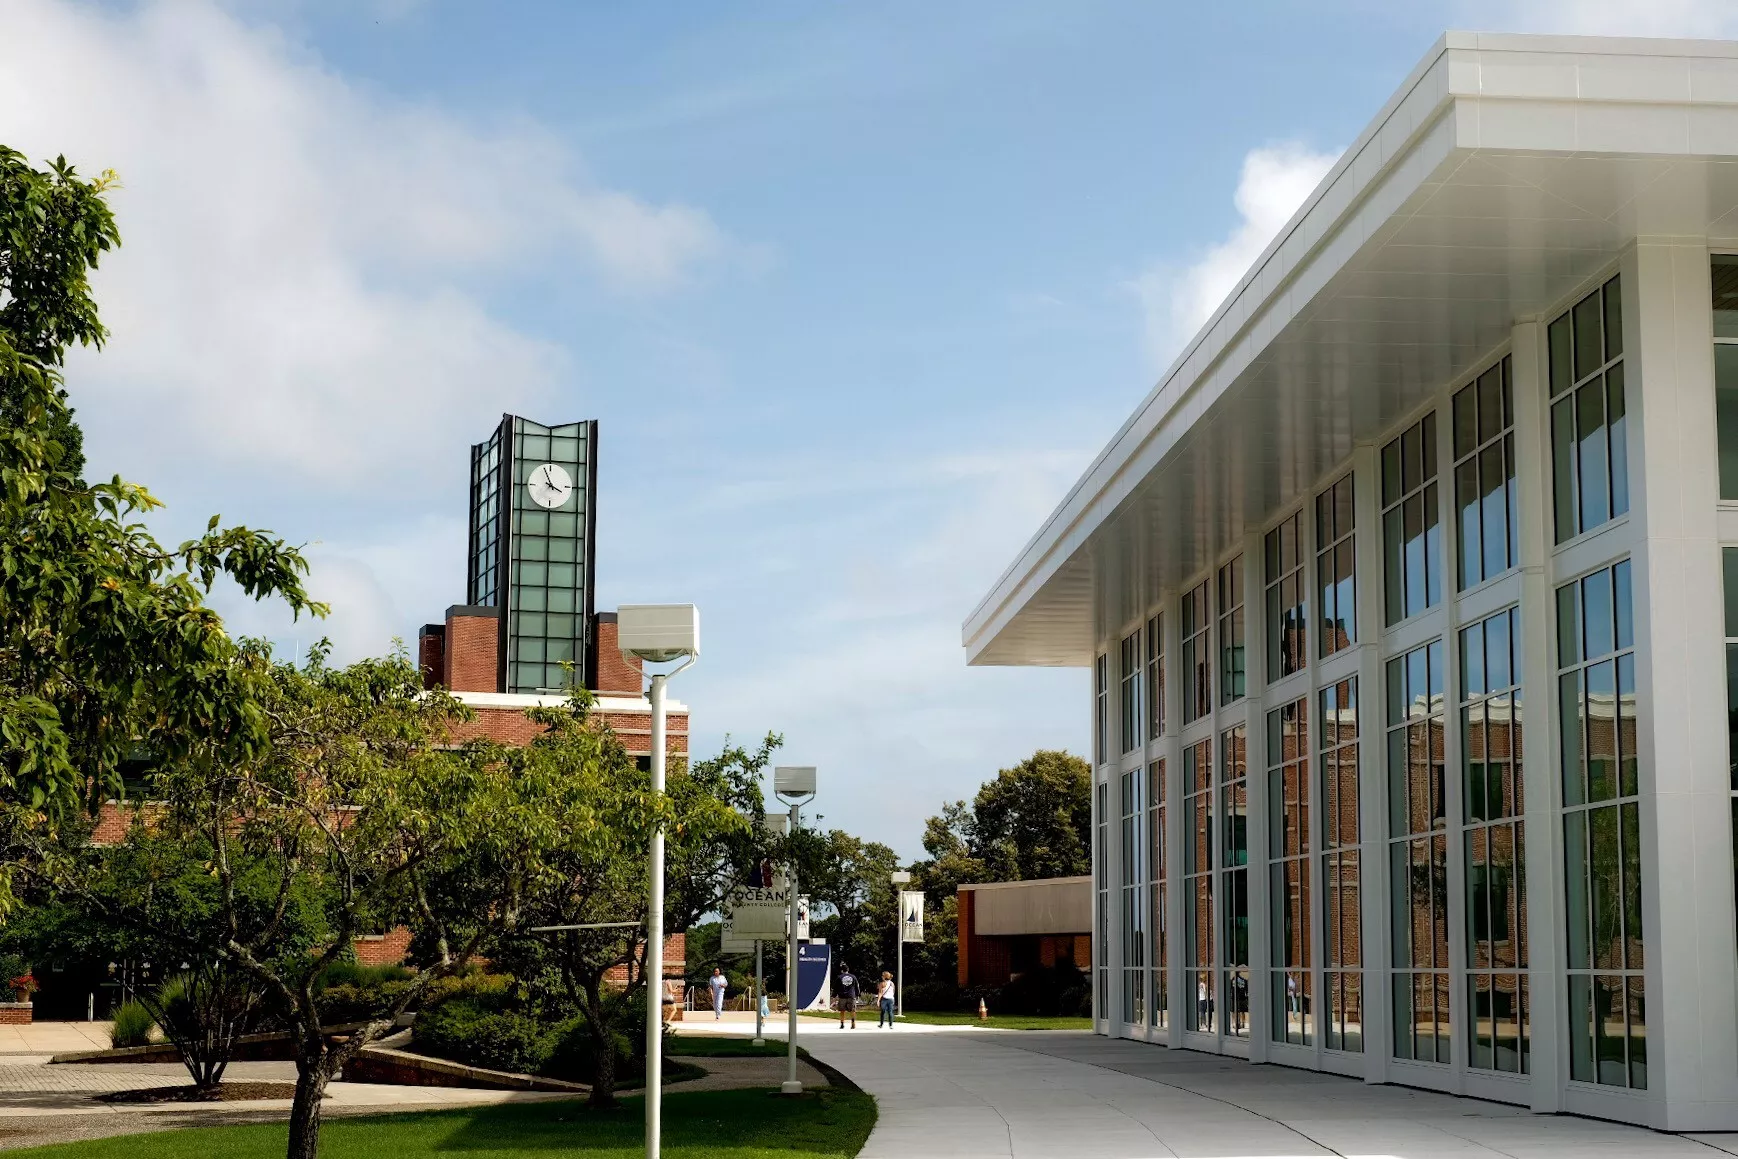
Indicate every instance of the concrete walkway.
{"type": "Point", "coordinates": [1014, 1095]}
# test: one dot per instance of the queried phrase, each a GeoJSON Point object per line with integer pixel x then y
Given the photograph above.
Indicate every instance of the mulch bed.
{"type": "Point", "coordinates": [226, 1093]}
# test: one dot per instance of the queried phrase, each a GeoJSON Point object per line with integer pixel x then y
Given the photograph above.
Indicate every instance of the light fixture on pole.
{"type": "Point", "coordinates": [793, 784]}
{"type": "Point", "coordinates": [657, 634]}
{"type": "Point", "coordinates": [900, 877]}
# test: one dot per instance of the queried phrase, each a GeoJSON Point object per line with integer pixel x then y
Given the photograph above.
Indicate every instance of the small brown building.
{"type": "Point", "coordinates": [1009, 927]}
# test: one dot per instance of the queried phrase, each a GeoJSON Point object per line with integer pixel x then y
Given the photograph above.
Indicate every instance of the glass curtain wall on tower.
{"type": "Point", "coordinates": [1589, 454]}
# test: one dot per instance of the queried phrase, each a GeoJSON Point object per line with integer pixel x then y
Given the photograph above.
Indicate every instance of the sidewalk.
{"type": "Point", "coordinates": [1014, 1094]}
{"type": "Point", "coordinates": [47, 1038]}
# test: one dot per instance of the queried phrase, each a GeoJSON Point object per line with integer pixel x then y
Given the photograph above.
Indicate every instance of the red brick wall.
{"type": "Point", "coordinates": [431, 655]}
{"type": "Point", "coordinates": [386, 950]}
{"type": "Point", "coordinates": [509, 726]}
{"type": "Point", "coordinates": [15, 1014]}
{"type": "Point", "coordinates": [615, 673]}
{"type": "Point", "coordinates": [473, 652]}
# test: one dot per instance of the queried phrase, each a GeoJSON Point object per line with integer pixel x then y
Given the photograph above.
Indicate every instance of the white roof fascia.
{"type": "Point", "coordinates": [1454, 99]}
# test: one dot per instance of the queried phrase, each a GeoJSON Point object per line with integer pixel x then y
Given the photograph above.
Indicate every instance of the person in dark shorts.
{"type": "Point", "coordinates": [848, 994]}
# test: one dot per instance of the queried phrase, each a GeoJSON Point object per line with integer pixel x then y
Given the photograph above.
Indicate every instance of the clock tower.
{"type": "Point", "coordinates": [533, 530]}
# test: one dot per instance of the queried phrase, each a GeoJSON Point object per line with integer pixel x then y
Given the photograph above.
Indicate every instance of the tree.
{"type": "Point", "coordinates": [712, 835]}
{"type": "Point", "coordinates": [358, 793]}
{"type": "Point", "coordinates": [852, 878]}
{"type": "Point", "coordinates": [1031, 821]}
{"type": "Point", "coordinates": [106, 644]}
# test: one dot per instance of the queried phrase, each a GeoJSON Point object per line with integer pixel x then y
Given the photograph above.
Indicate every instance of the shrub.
{"type": "Point", "coordinates": [573, 1058]}
{"type": "Point", "coordinates": [347, 1002]}
{"type": "Point", "coordinates": [485, 991]}
{"type": "Point", "coordinates": [1058, 990]}
{"type": "Point", "coordinates": [132, 1026]}
{"type": "Point", "coordinates": [938, 995]}
{"type": "Point", "coordinates": [359, 976]}
{"type": "Point", "coordinates": [462, 1030]}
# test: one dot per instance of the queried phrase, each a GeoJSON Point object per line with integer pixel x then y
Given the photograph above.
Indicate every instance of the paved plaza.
{"type": "Point", "coordinates": [1014, 1095]}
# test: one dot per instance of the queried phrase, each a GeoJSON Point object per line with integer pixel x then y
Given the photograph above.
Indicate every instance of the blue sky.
{"type": "Point", "coordinates": [855, 292]}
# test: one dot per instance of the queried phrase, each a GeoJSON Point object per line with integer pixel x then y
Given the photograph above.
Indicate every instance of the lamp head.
{"type": "Point", "coordinates": [796, 781]}
{"type": "Point", "coordinates": [901, 877]}
{"type": "Point", "coordinates": [657, 633]}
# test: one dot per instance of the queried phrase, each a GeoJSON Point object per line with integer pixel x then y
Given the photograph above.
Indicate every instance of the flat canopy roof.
{"type": "Point", "coordinates": [1505, 172]}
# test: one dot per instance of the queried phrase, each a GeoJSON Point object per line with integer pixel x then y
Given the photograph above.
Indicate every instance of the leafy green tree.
{"type": "Point", "coordinates": [1031, 821]}
{"type": "Point", "coordinates": [853, 880]}
{"type": "Point", "coordinates": [359, 794]}
{"type": "Point", "coordinates": [711, 838]}
{"type": "Point", "coordinates": [105, 639]}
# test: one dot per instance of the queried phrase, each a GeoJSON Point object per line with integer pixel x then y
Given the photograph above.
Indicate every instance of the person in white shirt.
{"type": "Point", "coordinates": [718, 983]}
{"type": "Point", "coordinates": [885, 994]}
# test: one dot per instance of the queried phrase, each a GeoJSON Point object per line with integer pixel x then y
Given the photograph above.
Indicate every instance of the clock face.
{"type": "Point", "coordinates": [549, 485]}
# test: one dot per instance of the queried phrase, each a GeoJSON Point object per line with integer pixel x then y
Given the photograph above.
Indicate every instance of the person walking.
{"type": "Point", "coordinates": [885, 994]}
{"type": "Point", "coordinates": [848, 991]}
{"type": "Point", "coordinates": [718, 983]}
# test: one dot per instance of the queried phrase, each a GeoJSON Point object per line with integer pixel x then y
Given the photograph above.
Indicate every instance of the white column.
{"type": "Point", "coordinates": [1373, 883]}
{"type": "Point", "coordinates": [1255, 685]}
{"type": "Point", "coordinates": [1542, 785]}
{"type": "Point", "coordinates": [1172, 747]}
{"type": "Point", "coordinates": [1692, 974]}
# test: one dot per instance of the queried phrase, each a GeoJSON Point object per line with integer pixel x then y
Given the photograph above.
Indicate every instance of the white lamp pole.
{"type": "Point", "coordinates": [657, 633]}
{"type": "Point", "coordinates": [900, 878]}
{"type": "Point", "coordinates": [793, 785]}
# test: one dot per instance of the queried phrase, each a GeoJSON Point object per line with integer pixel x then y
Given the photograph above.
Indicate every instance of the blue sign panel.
{"type": "Point", "coordinates": [814, 977]}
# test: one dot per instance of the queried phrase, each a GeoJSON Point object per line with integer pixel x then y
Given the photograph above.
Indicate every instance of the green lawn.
{"type": "Point", "coordinates": [719, 1046]}
{"type": "Point", "coordinates": [828, 1124]}
{"type": "Point", "coordinates": [960, 1018]}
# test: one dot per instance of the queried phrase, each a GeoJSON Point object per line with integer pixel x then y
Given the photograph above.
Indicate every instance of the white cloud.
{"type": "Point", "coordinates": [296, 288]}
{"type": "Point", "coordinates": [1176, 301]}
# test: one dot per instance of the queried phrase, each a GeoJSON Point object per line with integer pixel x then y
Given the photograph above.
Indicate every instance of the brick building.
{"type": "Point", "coordinates": [1009, 927]}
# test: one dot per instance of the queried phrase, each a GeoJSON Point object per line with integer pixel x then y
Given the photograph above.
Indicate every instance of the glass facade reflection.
{"type": "Point", "coordinates": [1290, 903]}
{"type": "Point", "coordinates": [1129, 684]}
{"type": "Point", "coordinates": [1283, 556]}
{"type": "Point", "coordinates": [1487, 521]}
{"type": "Point", "coordinates": [1199, 961]}
{"type": "Point", "coordinates": [1134, 916]}
{"type": "Point", "coordinates": [1589, 448]}
{"type": "Point", "coordinates": [1197, 658]}
{"type": "Point", "coordinates": [1342, 920]}
{"type": "Point", "coordinates": [1493, 844]}
{"type": "Point", "coordinates": [1234, 877]}
{"type": "Point", "coordinates": [1418, 855]}
{"type": "Point", "coordinates": [1411, 523]}
{"type": "Point", "coordinates": [1160, 1010]}
{"type": "Point", "coordinates": [1601, 830]}
{"type": "Point", "coordinates": [1232, 663]}
{"type": "Point", "coordinates": [1336, 571]}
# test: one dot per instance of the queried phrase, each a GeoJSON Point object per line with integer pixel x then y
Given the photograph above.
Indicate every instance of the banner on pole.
{"type": "Point", "coordinates": [802, 919]}
{"type": "Point", "coordinates": [911, 915]}
{"type": "Point", "coordinates": [756, 909]}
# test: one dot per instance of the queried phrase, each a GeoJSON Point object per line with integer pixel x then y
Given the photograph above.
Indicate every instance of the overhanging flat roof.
{"type": "Point", "coordinates": [1505, 172]}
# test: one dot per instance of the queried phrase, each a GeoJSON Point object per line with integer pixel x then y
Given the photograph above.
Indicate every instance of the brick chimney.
{"type": "Point", "coordinates": [473, 648]}
{"type": "Point", "coordinates": [610, 670]}
{"type": "Point", "coordinates": [431, 655]}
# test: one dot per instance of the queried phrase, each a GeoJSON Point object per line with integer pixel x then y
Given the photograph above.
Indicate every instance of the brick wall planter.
{"type": "Point", "coordinates": [15, 1013]}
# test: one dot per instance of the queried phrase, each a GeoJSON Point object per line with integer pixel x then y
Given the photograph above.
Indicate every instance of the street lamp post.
{"type": "Point", "coordinates": [900, 877]}
{"type": "Point", "coordinates": [793, 784]}
{"type": "Point", "coordinates": [657, 634]}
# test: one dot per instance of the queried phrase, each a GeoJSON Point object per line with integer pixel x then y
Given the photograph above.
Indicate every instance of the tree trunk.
{"type": "Point", "coordinates": [603, 1049]}
{"type": "Point", "coordinates": [311, 1079]}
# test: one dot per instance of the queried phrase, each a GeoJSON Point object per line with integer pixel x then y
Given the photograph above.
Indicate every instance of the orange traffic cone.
{"type": "Point", "coordinates": [983, 1011]}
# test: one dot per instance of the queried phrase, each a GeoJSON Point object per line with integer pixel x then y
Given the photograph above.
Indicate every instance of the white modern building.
{"type": "Point", "coordinates": [1460, 452]}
